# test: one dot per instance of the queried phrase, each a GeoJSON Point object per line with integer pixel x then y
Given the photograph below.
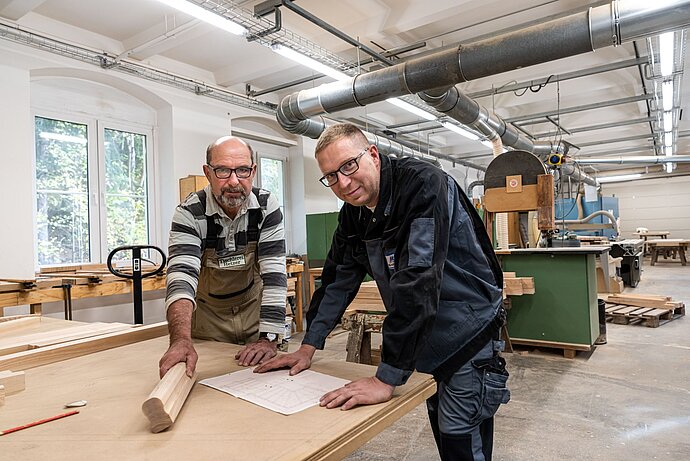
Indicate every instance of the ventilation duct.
{"type": "Point", "coordinates": [650, 160]}
{"type": "Point", "coordinates": [612, 24]}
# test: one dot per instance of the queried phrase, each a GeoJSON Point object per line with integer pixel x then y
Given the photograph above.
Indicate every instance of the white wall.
{"type": "Point", "coordinates": [16, 175]}
{"type": "Point", "coordinates": [657, 204]}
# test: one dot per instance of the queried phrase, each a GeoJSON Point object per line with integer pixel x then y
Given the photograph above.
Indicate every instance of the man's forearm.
{"type": "Point", "coordinates": [180, 320]}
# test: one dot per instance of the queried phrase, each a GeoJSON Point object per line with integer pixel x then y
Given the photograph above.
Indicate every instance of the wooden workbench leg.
{"type": "Point", "coordinates": [36, 308]}
{"type": "Point", "coordinates": [655, 255]}
{"type": "Point", "coordinates": [681, 252]}
{"type": "Point", "coordinates": [358, 342]}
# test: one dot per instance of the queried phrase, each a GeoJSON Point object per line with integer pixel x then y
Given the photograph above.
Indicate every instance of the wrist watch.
{"type": "Point", "coordinates": [270, 337]}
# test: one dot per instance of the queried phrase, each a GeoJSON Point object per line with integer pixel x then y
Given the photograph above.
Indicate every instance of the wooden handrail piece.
{"type": "Point", "coordinates": [166, 400]}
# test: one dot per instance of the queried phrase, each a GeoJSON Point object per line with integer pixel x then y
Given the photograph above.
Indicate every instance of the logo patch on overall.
{"type": "Point", "coordinates": [231, 261]}
{"type": "Point", "coordinates": [390, 261]}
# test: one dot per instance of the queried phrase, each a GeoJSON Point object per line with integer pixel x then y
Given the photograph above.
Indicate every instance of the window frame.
{"type": "Point", "coordinates": [95, 126]}
{"type": "Point", "coordinates": [260, 153]}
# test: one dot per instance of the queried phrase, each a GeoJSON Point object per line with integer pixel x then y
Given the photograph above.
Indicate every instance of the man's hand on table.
{"type": "Point", "coordinates": [364, 391]}
{"type": "Point", "coordinates": [296, 361]}
{"type": "Point", "coordinates": [179, 351]}
{"type": "Point", "coordinates": [257, 352]}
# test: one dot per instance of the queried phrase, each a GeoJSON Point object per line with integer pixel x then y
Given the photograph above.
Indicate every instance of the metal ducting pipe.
{"type": "Point", "coordinates": [651, 159]}
{"type": "Point", "coordinates": [575, 172]}
{"type": "Point", "coordinates": [313, 128]}
{"type": "Point", "coordinates": [474, 184]}
{"type": "Point", "coordinates": [611, 24]}
{"type": "Point", "coordinates": [586, 219]}
{"type": "Point", "coordinates": [469, 112]}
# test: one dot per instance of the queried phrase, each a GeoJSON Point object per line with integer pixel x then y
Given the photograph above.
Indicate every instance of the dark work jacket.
{"type": "Point", "coordinates": [434, 265]}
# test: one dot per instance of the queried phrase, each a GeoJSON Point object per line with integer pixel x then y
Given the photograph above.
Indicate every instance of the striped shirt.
{"type": "Point", "coordinates": [188, 238]}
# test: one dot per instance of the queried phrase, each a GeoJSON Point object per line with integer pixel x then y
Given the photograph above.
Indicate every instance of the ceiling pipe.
{"type": "Point", "coordinates": [314, 126]}
{"type": "Point", "coordinates": [649, 160]}
{"type": "Point", "coordinates": [611, 24]}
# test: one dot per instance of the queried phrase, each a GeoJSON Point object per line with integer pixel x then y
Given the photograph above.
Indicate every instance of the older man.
{"type": "Point", "coordinates": [410, 226]}
{"type": "Point", "coordinates": [226, 277]}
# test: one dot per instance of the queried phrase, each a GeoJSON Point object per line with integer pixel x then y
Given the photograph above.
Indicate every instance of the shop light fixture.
{"type": "Point", "coordinates": [666, 53]}
{"type": "Point", "coordinates": [308, 62]}
{"type": "Point", "coordinates": [410, 108]}
{"type": "Point", "coordinates": [667, 95]}
{"type": "Point", "coordinates": [206, 16]}
{"type": "Point", "coordinates": [460, 131]}
{"type": "Point", "coordinates": [623, 177]}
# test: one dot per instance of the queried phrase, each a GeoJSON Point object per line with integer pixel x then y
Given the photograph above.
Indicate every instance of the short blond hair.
{"type": "Point", "coordinates": [336, 132]}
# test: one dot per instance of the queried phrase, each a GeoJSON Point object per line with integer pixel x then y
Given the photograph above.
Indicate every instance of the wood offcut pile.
{"type": "Point", "coordinates": [648, 310]}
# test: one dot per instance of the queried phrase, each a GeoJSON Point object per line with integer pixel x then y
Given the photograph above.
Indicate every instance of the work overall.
{"type": "Point", "coordinates": [229, 292]}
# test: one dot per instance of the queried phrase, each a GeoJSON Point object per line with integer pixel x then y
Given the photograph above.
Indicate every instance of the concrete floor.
{"type": "Point", "coordinates": [626, 400]}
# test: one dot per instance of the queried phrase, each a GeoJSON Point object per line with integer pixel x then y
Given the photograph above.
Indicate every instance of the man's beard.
{"type": "Point", "coordinates": [231, 202]}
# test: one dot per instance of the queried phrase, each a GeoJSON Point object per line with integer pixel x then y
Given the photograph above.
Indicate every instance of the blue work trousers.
{"type": "Point", "coordinates": [462, 410]}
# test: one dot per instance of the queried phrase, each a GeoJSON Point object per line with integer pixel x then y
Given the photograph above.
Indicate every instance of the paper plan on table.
{"type": "Point", "coordinates": [277, 390]}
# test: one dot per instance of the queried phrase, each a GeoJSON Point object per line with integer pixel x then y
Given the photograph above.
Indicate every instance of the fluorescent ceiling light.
{"type": "Point", "coordinates": [206, 16]}
{"type": "Point", "coordinates": [668, 139]}
{"type": "Point", "coordinates": [669, 167]}
{"type": "Point", "coordinates": [62, 137]}
{"type": "Point", "coordinates": [460, 131]}
{"type": "Point", "coordinates": [624, 177]}
{"type": "Point", "coordinates": [410, 108]}
{"type": "Point", "coordinates": [309, 62]}
{"type": "Point", "coordinates": [666, 53]}
{"type": "Point", "coordinates": [667, 95]}
{"type": "Point", "coordinates": [668, 150]}
{"type": "Point", "coordinates": [668, 121]}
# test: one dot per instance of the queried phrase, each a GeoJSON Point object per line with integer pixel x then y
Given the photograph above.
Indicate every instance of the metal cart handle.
{"type": "Point", "coordinates": [136, 274]}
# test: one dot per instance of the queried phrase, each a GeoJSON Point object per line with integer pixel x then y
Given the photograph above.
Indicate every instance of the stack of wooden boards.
{"type": "Point", "coordinates": [82, 281]}
{"type": "Point", "coordinates": [30, 341]}
{"type": "Point", "coordinates": [647, 310]}
{"type": "Point", "coordinates": [517, 286]}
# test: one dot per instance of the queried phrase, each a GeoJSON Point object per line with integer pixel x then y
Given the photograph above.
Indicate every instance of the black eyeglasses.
{"type": "Point", "coordinates": [222, 172]}
{"type": "Point", "coordinates": [346, 169]}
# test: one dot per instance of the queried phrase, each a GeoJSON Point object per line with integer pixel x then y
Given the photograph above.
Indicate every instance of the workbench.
{"type": "Point", "coordinates": [211, 425]}
{"type": "Point", "coordinates": [668, 247]}
{"type": "Point", "coordinates": [562, 313]}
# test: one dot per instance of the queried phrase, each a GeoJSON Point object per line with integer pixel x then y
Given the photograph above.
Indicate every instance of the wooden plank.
{"type": "Point", "coordinates": [512, 287]}
{"type": "Point", "coordinates": [645, 303]}
{"type": "Point", "coordinates": [2, 395]}
{"type": "Point", "coordinates": [545, 202]}
{"type": "Point", "coordinates": [13, 324]}
{"type": "Point", "coordinates": [509, 275]}
{"type": "Point", "coordinates": [553, 344]}
{"type": "Point", "coordinates": [166, 400]}
{"type": "Point", "coordinates": [58, 352]}
{"type": "Point", "coordinates": [497, 200]}
{"type": "Point", "coordinates": [87, 331]}
{"type": "Point", "coordinates": [528, 285]}
{"type": "Point", "coordinates": [643, 297]}
{"type": "Point", "coordinates": [14, 381]}
{"type": "Point", "coordinates": [78, 292]}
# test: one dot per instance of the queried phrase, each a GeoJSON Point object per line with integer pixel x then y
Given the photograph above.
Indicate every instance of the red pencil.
{"type": "Point", "coordinates": [36, 423]}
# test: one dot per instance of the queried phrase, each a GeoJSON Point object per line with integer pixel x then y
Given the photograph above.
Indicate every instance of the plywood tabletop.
{"type": "Point", "coordinates": [211, 425]}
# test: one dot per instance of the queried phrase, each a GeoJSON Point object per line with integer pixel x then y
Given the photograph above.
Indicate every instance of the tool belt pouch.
{"type": "Point", "coordinates": [494, 389]}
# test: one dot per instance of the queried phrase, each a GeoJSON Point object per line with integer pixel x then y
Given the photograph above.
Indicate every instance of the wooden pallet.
{"type": "Point", "coordinates": [648, 316]}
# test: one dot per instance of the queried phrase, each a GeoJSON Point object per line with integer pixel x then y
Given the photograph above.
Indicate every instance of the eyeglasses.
{"type": "Point", "coordinates": [222, 172]}
{"type": "Point", "coordinates": [346, 169]}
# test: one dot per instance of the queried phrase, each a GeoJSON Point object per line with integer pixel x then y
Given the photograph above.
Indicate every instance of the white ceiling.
{"type": "Point", "coordinates": [198, 50]}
